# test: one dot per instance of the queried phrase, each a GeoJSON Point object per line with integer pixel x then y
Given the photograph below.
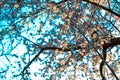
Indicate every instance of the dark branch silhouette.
{"type": "Point", "coordinates": [109, 10]}
{"type": "Point", "coordinates": [48, 48]}
{"type": "Point", "coordinates": [113, 42]}
{"type": "Point", "coordinates": [93, 3]}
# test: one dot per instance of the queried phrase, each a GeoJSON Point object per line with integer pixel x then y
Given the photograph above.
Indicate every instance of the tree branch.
{"type": "Point", "coordinates": [48, 48]}
{"type": "Point", "coordinates": [93, 3]}
{"type": "Point", "coordinates": [102, 63]}
{"type": "Point", "coordinates": [109, 10]}
{"type": "Point", "coordinates": [114, 42]}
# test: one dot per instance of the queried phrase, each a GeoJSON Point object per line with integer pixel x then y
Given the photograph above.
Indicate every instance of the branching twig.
{"type": "Point", "coordinates": [109, 10]}
{"type": "Point", "coordinates": [102, 63]}
{"type": "Point", "coordinates": [93, 3]}
{"type": "Point", "coordinates": [114, 42]}
{"type": "Point", "coordinates": [47, 48]}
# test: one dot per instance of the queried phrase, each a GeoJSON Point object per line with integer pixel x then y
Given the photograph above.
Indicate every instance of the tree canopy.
{"type": "Point", "coordinates": [59, 39]}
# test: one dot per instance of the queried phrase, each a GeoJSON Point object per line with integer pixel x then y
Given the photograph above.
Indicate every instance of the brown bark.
{"type": "Point", "coordinates": [113, 42]}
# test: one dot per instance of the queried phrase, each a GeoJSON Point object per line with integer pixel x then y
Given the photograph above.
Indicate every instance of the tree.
{"type": "Point", "coordinates": [54, 40]}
